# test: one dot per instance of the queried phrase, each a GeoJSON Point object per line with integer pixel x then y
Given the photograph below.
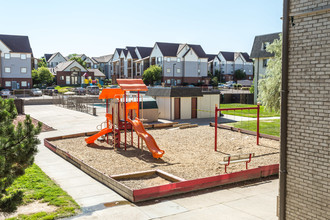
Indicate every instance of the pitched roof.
{"type": "Point", "coordinates": [17, 43]}
{"type": "Point", "coordinates": [168, 49]}
{"type": "Point", "coordinates": [103, 59]}
{"type": "Point", "coordinates": [257, 51]}
{"type": "Point", "coordinates": [119, 50]}
{"type": "Point", "coordinates": [132, 52]}
{"type": "Point", "coordinates": [246, 57]}
{"type": "Point", "coordinates": [198, 50]}
{"type": "Point", "coordinates": [175, 91]}
{"type": "Point", "coordinates": [144, 51]}
{"type": "Point", "coordinates": [229, 56]}
{"type": "Point", "coordinates": [53, 55]}
{"type": "Point", "coordinates": [96, 72]}
{"type": "Point", "coordinates": [47, 56]}
{"type": "Point", "coordinates": [210, 57]}
{"type": "Point", "coordinates": [62, 66]}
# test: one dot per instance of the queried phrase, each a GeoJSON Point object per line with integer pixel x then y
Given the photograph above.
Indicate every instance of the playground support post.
{"type": "Point", "coordinates": [216, 127]}
{"type": "Point", "coordinates": [138, 110]}
{"type": "Point", "coordinates": [107, 112]}
{"type": "Point", "coordinates": [258, 112]}
{"type": "Point", "coordinates": [125, 119]}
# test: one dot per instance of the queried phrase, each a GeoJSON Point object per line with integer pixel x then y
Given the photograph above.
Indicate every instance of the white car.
{"type": "Point", "coordinates": [5, 93]}
{"type": "Point", "coordinates": [36, 92]}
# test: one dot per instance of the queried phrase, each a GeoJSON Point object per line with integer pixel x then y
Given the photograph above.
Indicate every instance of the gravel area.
{"type": "Point", "coordinates": [145, 182]}
{"type": "Point", "coordinates": [189, 153]}
{"type": "Point", "coordinates": [21, 118]}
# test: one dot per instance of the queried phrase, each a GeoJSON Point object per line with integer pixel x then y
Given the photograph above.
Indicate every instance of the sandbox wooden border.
{"type": "Point", "coordinates": [177, 187]}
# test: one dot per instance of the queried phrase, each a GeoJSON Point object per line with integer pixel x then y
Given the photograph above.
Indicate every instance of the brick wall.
{"type": "Point", "coordinates": [308, 143]}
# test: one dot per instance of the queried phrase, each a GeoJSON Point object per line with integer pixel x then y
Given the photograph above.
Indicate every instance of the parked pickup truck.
{"type": "Point", "coordinates": [50, 91]}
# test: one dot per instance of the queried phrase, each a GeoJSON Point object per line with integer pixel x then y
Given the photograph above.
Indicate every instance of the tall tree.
{"type": "Point", "coordinates": [42, 63]}
{"type": "Point", "coordinates": [18, 145]}
{"type": "Point", "coordinates": [152, 74]}
{"type": "Point", "coordinates": [42, 76]}
{"type": "Point", "coordinates": [270, 85]}
{"type": "Point", "coordinates": [239, 74]}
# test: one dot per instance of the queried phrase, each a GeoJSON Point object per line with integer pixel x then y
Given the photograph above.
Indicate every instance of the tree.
{"type": "Point", "coordinates": [79, 60]}
{"type": "Point", "coordinates": [18, 145]}
{"type": "Point", "coordinates": [214, 81]}
{"type": "Point", "coordinates": [270, 84]}
{"type": "Point", "coordinates": [42, 63]}
{"type": "Point", "coordinates": [239, 74]}
{"type": "Point", "coordinates": [42, 76]}
{"type": "Point", "coordinates": [152, 74]}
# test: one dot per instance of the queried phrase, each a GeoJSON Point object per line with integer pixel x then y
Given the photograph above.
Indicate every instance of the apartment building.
{"type": "Point", "coordinates": [143, 61]}
{"type": "Point", "coordinates": [104, 64]}
{"type": "Point", "coordinates": [16, 62]}
{"type": "Point", "coordinates": [54, 59]}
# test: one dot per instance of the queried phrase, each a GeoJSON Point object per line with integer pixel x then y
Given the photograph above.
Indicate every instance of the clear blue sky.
{"type": "Point", "coordinates": [97, 27]}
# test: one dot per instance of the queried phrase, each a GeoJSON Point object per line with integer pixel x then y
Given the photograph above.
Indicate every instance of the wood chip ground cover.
{"type": "Point", "coordinates": [189, 153]}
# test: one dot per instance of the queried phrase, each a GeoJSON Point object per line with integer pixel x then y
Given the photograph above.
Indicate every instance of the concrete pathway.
{"type": "Point", "coordinates": [255, 201]}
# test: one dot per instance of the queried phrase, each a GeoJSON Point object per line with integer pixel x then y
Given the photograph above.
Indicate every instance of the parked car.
{"type": "Point", "coordinates": [229, 86]}
{"type": "Point", "coordinates": [221, 85]}
{"type": "Point", "coordinates": [79, 91]}
{"type": "Point", "coordinates": [5, 93]}
{"type": "Point", "coordinates": [50, 91]}
{"type": "Point", "coordinates": [36, 92]}
{"type": "Point", "coordinates": [92, 90]}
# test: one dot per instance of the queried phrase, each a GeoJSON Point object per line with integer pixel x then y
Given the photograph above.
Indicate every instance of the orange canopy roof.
{"type": "Point", "coordinates": [132, 85]}
{"type": "Point", "coordinates": [111, 93]}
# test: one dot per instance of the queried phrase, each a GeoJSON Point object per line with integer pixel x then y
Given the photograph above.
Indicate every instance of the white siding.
{"type": "Point", "coordinates": [164, 107]}
{"type": "Point", "coordinates": [206, 105]}
{"type": "Point", "coordinates": [3, 48]}
{"type": "Point", "coordinates": [185, 108]}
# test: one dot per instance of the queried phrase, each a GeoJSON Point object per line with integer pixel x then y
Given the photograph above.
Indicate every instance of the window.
{"type": "Point", "coordinates": [89, 77]}
{"type": "Point", "coordinates": [178, 70]}
{"type": "Point", "coordinates": [159, 59]}
{"type": "Point", "coordinates": [264, 62]}
{"type": "Point", "coordinates": [62, 78]}
{"type": "Point", "coordinates": [179, 81]}
{"type": "Point", "coordinates": [178, 60]}
{"type": "Point", "coordinates": [23, 56]}
{"type": "Point", "coordinates": [264, 45]}
{"type": "Point", "coordinates": [199, 71]}
{"type": "Point", "coordinates": [7, 56]}
{"type": "Point", "coordinates": [249, 71]}
{"type": "Point", "coordinates": [168, 81]}
{"type": "Point", "coordinates": [23, 69]}
{"type": "Point", "coordinates": [249, 77]}
{"type": "Point", "coordinates": [7, 69]}
{"type": "Point", "coordinates": [168, 59]}
{"type": "Point", "coordinates": [168, 70]}
{"type": "Point", "coordinates": [215, 64]}
{"type": "Point", "coordinates": [23, 83]}
{"type": "Point", "coordinates": [67, 80]}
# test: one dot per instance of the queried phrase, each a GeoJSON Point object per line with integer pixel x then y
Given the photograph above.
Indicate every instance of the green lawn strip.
{"type": "Point", "coordinates": [248, 113]}
{"type": "Point", "coordinates": [63, 89]}
{"type": "Point", "coordinates": [271, 127]}
{"type": "Point", "coordinates": [36, 185]}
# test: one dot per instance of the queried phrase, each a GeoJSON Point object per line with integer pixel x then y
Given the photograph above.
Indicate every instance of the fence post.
{"type": "Point", "coordinates": [258, 112]}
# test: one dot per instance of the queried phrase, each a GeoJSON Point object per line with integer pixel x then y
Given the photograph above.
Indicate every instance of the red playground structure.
{"type": "Point", "coordinates": [120, 116]}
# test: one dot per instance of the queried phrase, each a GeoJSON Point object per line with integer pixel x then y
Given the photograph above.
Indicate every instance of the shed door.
{"type": "Point", "coordinates": [193, 107]}
{"type": "Point", "coordinates": [176, 108]}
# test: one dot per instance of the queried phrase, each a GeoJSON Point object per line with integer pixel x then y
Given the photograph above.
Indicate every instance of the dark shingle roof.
{"type": "Point", "coordinates": [17, 43]}
{"type": "Point", "coordinates": [175, 91]}
{"type": "Point", "coordinates": [119, 50]}
{"type": "Point", "coordinates": [125, 52]}
{"type": "Point", "coordinates": [198, 50]}
{"type": "Point", "coordinates": [132, 52]}
{"type": "Point", "coordinates": [210, 57]}
{"type": "Point", "coordinates": [168, 49]}
{"type": "Point", "coordinates": [229, 56]}
{"type": "Point", "coordinates": [48, 56]}
{"type": "Point", "coordinates": [144, 51]}
{"type": "Point", "coordinates": [246, 57]}
{"type": "Point", "coordinates": [257, 45]}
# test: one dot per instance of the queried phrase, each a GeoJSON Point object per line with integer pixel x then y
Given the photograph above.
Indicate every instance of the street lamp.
{"type": "Point", "coordinates": [173, 74]}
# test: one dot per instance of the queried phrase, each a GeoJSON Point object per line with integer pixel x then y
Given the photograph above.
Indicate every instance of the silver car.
{"type": "Point", "coordinates": [5, 93]}
{"type": "Point", "coordinates": [36, 92]}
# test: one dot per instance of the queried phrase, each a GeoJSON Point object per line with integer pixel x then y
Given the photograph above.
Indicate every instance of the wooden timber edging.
{"type": "Point", "coordinates": [177, 186]}
{"type": "Point", "coordinates": [244, 131]}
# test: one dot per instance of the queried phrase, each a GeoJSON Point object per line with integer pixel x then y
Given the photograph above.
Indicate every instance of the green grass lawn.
{"type": "Point", "coordinates": [248, 113]}
{"type": "Point", "coordinates": [36, 185]}
{"type": "Point", "coordinates": [271, 127]}
{"type": "Point", "coordinates": [63, 89]}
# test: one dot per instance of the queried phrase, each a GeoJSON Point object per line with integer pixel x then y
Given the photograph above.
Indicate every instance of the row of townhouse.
{"type": "Point", "coordinates": [16, 62]}
{"type": "Point", "coordinates": [226, 63]}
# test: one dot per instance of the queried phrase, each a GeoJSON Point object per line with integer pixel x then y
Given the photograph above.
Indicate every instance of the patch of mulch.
{"type": "Point", "coordinates": [44, 128]}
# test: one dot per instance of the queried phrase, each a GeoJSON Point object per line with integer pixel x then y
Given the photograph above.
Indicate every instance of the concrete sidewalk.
{"type": "Point", "coordinates": [255, 201]}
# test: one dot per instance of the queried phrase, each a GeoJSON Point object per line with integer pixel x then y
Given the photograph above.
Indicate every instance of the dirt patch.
{"type": "Point", "coordinates": [144, 182]}
{"type": "Point", "coordinates": [189, 153]}
{"type": "Point", "coordinates": [21, 118]}
{"type": "Point", "coordinates": [28, 209]}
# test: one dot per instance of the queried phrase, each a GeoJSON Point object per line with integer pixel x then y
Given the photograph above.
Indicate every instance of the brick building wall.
{"type": "Point", "coordinates": [308, 134]}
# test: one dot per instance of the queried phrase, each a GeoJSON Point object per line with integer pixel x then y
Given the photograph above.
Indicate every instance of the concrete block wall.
{"type": "Point", "coordinates": [308, 143]}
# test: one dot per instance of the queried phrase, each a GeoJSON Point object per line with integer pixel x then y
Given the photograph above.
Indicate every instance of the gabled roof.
{"type": "Point", "coordinates": [198, 50]}
{"type": "Point", "coordinates": [47, 56]}
{"type": "Point", "coordinates": [103, 59]}
{"type": "Point", "coordinates": [119, 50]}
{"type": "Point", "coordinates": [168, 49]}
{"type": "Point", "coordinates": [96, 72]}
{"type": "Point", "coordinates": [257, 51]}
{"type": "Point", "coordinates": [229, 56]}
{"type": "Point", "coordinates": [246, 57]}
{"type": "Point", "coordinates": [17, 43]}
{"type": "Point", "coordinates": [132, 52]}
{"type": "Point", "coordinates": [125, 52]}
{"type": "Point", "coordinates": [144, 51]}
{"type": "Point", "coordinates": [62, 66]}
{"type": "Point", "coordinates": [210, 57]}
{"type": "Point", "coordinates": [54, 54]}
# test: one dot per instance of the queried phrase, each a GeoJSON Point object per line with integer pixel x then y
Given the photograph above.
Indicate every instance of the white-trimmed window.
{"type": "Point", "coordinates": [8, 83]}
{"type": "Point", "coordinates": [168, 59]}
{"type": "Point", "coordinates": [168, 81]}
{"type": "Point", "coordinates": [168, 70]}
{"type": "Point", "coordinates": [7, 56]}
{"type": "Point", "coordinates": [179, 81]}
{"type": "Point", "coordinates": [178, 70]}
{"type": "Point", "coordinates": [67, 80]}
{"type": "Point", "coordinates": [178, 60]}
{"type": "Point", "coordinates": [62, 78]}
{"type": "Point", "coordinates": [199, 71]}
{"type": "Point", "coordinates": [265, 62]}
{"type": "Point", "coordinates": [23, 83]}
{"type": "Point", "coordinates": [7, 69]}
{"type": "Point", "coordinates": [23, 69]}
{"type": "Point", "coordinates": [23, 56]}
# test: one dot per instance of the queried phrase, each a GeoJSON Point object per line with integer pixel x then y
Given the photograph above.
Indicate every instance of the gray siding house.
{"type": "Point", "coordinates": [16, 62]}
{"type": "Point", "coordinates": [104, 64]}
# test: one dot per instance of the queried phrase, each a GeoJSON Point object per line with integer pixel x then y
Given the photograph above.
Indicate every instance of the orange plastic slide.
{"type": "Point", "coordinates": [92, 138]}
{"type": "Point", "coordinates": [150, 141]}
